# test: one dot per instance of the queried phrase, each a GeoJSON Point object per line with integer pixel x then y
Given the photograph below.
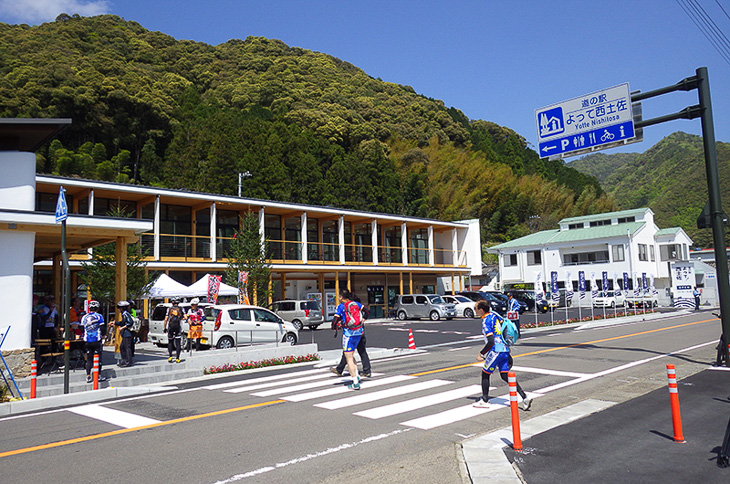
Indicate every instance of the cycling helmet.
{"type": "Point", "coordinates": [94, 305]}
{"type": "Point", "coordinates": [175, 300]}
{"type": "Point", "coordinates": [123, 304]}
{"type": "Point", "coordinates": [195, 301]}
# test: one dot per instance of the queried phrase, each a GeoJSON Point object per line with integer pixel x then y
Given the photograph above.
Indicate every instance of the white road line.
{"type": "Point", "coordinates": [462, 348]}
{"type": "Point", "coordinates": [366, 385]}
{"type": "Point", "coordinates": [382, 394]}
{"type": "Point", "coordinates": [307, 457]}
{"type": "Point", "coordinates": [115, 417]}
{"type": "Point", "coordinates": [544, 371]}
{"type": "Point", "coordinates": [303, 386]}
{"type": "Point", "coordinates": [278, 383]}
{"type": "Point", "coordinates": [416, 403]}
{"type": "Point", "coordinates": [230, 384]}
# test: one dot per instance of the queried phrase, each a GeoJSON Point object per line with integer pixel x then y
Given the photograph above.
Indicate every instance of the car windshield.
{"type": "Point", "coordinates": [314, 305]}
{"type": "Point", "coordinates": [435, 299]}
{"type": "Point", "coordinates": [462, 299]}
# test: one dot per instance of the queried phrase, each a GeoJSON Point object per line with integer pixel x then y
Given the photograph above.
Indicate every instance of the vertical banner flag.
{"type": "Point", "coordinates": [604, 283]}
{"type": "Point", "coordinates": [538, 286]}
{"type": "Point", "coordinates": [214, 284]}
{"type": "Point", "coordinates": [683, 281]}
{"type": "Point", "coordinates": [644, 284]}
{"type": "Point", "coordinates": [653, 290]}
{"type": "Point", "coordinates": [243, 287]}
{"type": "Point", "coordinates": [554, 286]}
{"type": "Point", "coordinates": [626, 283]}
{"type": "Point", "coordinates": [637, 291]}
{"type": "Point", "coordinates": [616, 286]}
{"type": "Point", "coordinates": [568, 288]}
{"type": "Point", "coordinates": [594, 286]}
{"type": "Point", "coordinates": [582, 284]}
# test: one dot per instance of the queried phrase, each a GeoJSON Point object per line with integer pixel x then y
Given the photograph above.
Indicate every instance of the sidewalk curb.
{"type": "Point", "coordinates": [485, 459]}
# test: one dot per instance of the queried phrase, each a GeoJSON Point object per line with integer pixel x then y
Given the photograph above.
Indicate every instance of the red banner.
{"type": "Point", "coordinates": [243, 288]}
{"type": "Point", "coordinates": [214, 284]}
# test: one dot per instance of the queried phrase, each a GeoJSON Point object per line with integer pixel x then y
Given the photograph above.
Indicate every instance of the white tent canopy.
{"type": "Point", "coordinates": [165, 286]}
{"type": "Point", "coordinates": [200, 288]}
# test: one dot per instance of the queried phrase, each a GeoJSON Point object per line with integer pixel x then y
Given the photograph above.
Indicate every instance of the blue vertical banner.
{"type": "Point", "coordinates": [582, 284]}
{"type": "Point", "coordinates": [605, 282]}
{"type": "Point", "coordinates": [554, 286]}
{"type": "Point", "coordinates": [644, 284]}
{"type": "Point", "coordinates": [626, 283]}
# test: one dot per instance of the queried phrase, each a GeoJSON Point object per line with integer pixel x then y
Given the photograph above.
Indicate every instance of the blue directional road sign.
{"type": "Point", "coordinates": [590, 121]}
{"type": "Point", "coordinates": [61, 206]}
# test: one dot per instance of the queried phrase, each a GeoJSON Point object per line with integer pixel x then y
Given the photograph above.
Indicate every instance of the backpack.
{"type": "Point", "coordinates": [353, 316]}
{"type": "Point", "coordinates": [173, 319]}
{"type": "Point", "coordinates": [137, 324]}
{"type": "Point", "coordinates": [509, 331]}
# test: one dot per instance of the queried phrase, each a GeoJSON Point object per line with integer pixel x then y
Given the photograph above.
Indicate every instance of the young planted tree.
{"type": "Point", "coordinates": [247, 252]}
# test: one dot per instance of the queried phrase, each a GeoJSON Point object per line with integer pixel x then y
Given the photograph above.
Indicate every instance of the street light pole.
{"type": "Point", "coordinates": [242, 174]}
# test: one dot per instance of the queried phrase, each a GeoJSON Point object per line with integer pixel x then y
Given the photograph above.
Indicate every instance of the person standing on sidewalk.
{"type": "Point", "coordinates": [172, 326]}
{"type": "Point", "coordinates": [495, 354]}
{"type": "Point", "coordinates": [696, 293]}
{"type": "Point", "coordinates": [195, 317]}
{"type": "Point", "coordinates": [513, 311]}
{"type": "Point", "coordinates": [361, 345]}
{"type": "Point", "coordinates": [94, 331]}
{"type": "Point", "coordinates": [126, 324]}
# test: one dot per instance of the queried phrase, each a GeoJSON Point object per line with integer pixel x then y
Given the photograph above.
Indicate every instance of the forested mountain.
{"type": "Point", "coordinates": [669, 178]}
{"type": "Point", "coordinates": [310, 128]}
{"type": "Point", "coordinates": [602, 165]}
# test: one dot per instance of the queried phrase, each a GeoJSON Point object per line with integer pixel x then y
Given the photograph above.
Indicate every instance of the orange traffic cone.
{"type": "Point", "coordinates": [411, 341]}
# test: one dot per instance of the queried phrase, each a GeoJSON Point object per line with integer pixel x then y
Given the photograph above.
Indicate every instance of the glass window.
{"type": "Point", "coordinates": [534, 257]}
{"type": "Point", "coordinates": [642, 252]}
{"type": "Point", "coordinates": [652, 255]}
{"type": "Point", "coordinates": [510, 260]}
{"type": "Point", "coordinates": [421, 300]}
{"type": "Point", "coordinates": [406, 300]}
{"type": "Point", "coordinates": [313, 305]}
{"type": "Point", "coordinates": [618, 253]}
{"type": "Point", "coordinates": [265, 316]}
{"type": "Point", "coordinates": [240, 314]}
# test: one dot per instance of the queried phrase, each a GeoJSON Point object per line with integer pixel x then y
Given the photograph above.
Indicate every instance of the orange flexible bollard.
{"type": "Point", "coordinates": [33, 375]}
{"type": "Point", "coordinates": [516, 438]}
{"type": "Point", "coordinates": [411, 341]}
{"type": "Point", "coordinates": [95, 371]}
{"type": "Point", "coordinates": [674, 399]}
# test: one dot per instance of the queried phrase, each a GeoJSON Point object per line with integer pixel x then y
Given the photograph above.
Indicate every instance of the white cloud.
{"type": "Point", "coordinates": [38, 11]}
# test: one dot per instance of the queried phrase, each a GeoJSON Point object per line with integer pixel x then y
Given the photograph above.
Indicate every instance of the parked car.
{"type": "Point", "coordinates": [229, 325]}
{"type": "Point", "coordinates": [609, 299]}
{"type": "Point", "coordinates": [463, 305]}
{"type": "Point", "coordinates": [432, 306]}
{"type": "Point", "coordinates": [645, 301]}
{"type": "Point", "coordinates": [528, 298]}
{"type": "Point", "coordinates": [505, 299]}
{"type": "Point", "coordinates": [497, 305]}
{"type": "Point", "coordinates": [300, 313]}
{"type": "Point", "coordinates": [157, 334]}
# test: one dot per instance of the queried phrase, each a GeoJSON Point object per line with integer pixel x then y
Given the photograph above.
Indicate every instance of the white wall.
{"type": "Point", "coordinates": [17, 183]}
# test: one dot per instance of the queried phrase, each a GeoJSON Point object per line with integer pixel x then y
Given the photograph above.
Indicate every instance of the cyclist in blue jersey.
{"type": "Point", "coordinates": [513, 311]}
{"type": "Point", "coordinates": [350, 336]}
{"type": "Point", "coordinates": [495, 354]}
{"type": "Point", "coordinates": [94, 331]}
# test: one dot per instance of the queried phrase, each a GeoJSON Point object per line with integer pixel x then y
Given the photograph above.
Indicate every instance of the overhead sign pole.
{"type": "Point", "coordinates": [61, 216]}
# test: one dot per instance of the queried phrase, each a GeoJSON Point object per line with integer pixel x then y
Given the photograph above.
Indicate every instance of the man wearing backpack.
{"type": "Point", "coordinates": [126, 324]}
{"type": "Point", "coordinates": [513, 311]}
{"type": "Point", "coordinates": [172, 326]}
{"type": "Point", "coordinates": [361, 346]}
{"type": "Point", "coordinates": [350, 317]}
{"type": "Point", "coordinates": [94, 331]}
{"type": "Point", "coordinates": [495, 354]}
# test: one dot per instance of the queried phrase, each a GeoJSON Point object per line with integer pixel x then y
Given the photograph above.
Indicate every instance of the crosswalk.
{"type": "Point", "coordinates": [380, 395]}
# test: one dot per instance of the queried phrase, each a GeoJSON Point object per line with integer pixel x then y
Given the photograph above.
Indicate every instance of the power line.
{"type": "Point", "coordinates": [722, 8]}
{"type": "Point", "coordinates": [701, 26]}
{"type": "Point", "coordinates": [712, 24]}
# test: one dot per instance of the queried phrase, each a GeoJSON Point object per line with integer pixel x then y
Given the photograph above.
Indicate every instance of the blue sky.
{"type": "Point", "coordinates": [494, 60]}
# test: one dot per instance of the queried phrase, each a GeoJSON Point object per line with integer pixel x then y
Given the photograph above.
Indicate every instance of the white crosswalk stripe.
{"type": "Point", "coordinates": [261, 386]}
{"type": "Point", "coordinates": [341, 388]}
{"type": "Point", "coordinates": [237, 383]}
{"type": "Point", "coordinates": [418, 403]}
{"type": "Point", "coordinates": [379, 395]}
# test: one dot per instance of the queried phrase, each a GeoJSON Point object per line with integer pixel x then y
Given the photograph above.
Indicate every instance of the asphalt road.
{"type": "Point", "coordinates": [404, 426]}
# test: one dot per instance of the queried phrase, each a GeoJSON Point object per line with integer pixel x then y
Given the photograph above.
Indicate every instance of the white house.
{"type": "Point", "coordinates": [618, 242]}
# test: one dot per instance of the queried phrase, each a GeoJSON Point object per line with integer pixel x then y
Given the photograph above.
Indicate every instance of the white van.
{"type": "Point", "coordinates": [228, 325]}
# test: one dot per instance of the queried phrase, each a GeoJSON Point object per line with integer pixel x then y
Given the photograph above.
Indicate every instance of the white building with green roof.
{"type": "Point", "coordinates": [617, 242]}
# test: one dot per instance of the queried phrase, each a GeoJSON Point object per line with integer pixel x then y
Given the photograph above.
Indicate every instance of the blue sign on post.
{"type": "Point", "coordinates": [61, 206]}
{"type": "Point", "coordinates": [585, 122]}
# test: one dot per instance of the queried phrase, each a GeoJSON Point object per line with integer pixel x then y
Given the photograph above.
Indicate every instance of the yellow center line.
{"type": "Point", "coordinates": [134, 429]}
{"type": "Point", "coordinates": [568, 346]}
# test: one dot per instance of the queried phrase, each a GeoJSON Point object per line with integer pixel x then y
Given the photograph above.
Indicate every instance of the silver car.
{"type": "Point", "coordinates": [301, 313]}
{"type": "Point", "coordinates": [432, 306]}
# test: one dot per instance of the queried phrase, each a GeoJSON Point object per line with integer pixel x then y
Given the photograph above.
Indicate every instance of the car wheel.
{"type": "Point", "coordinates": [655, 304]}
{"type": "Point", "coordinates": [402, 315]}
{"type": "Point", "coordinates": [468, 313]}
{"type": "Point", "coordinates": [434, 316]}
{"type": "Point", "coordinates": [313, 326]}
{"type": "Point", "coordinates": [224, 343]}
{"type": "Point", "coordinates": [613, 304]}
{"type": "Point", "coordinates": [184, 341]}
{"type": "Point", "coordinates": [290, 338]}
{"type": "Point", "coordinates": [297, 324]}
